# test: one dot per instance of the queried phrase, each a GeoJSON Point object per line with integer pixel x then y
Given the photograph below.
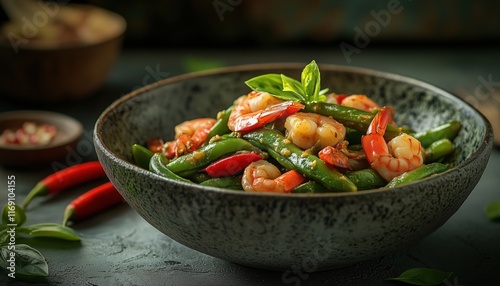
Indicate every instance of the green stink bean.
{"type": "Point", "coordinates": [366, 179]}
{"type": "Point", "coordinates": [158, 165]}
{"type": "Point", "coordinates": [419, 173]}
{"type": "Point", "coordinates": [191, 163]}
{"type": "Point", "coordinates": [350, 117]}
{"type": "Point", "coordinates": [292, 157]}
{"type": "Point", "coordinates": [141, 156]}
{"type": "Point", "coordinates": [448, 130]}
{"type": "Point", "coordinates": [220, 127]}
{"type": "Point", "coordinates": [310, 187]}
{"type": "Point", "coordinates": [232, 183]}
{"type": "Point", "coordinates": [437, 150]}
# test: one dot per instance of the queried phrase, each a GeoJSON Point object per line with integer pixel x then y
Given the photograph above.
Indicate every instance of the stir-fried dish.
{"type": "Point", "coordinates": [291, 136]}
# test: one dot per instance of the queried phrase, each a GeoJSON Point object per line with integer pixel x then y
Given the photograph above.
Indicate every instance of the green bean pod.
{"type": "Point", "coordinates": [437, 150]}
{"type": "Point", "coordinates": [198, 177]}
{"type": "Point", "coordinates": [366, 179]}
{"type": "Point", "coordinates": [141, 156]}
{"type": "Point", "coordinates": [419, 173]}
{"type": "Point", "coordinates": [292, 157]}
{"type": "Point", "coordinates": [448, 130]}
{"type": "Point", "coordinates": [232, 183]}
{"type": "Point", "coordinates": [191, 163]}
{"type": "Point", "coordinates": [351, 117]}
{"type": "Point", "coordinates": [158, 164]}
{"type": "Point", "coordinates": [353, 136]}
{"type": "Point", "coordinates": [310, 187]}
{"type": "Point", "coordinates": [220, 127]}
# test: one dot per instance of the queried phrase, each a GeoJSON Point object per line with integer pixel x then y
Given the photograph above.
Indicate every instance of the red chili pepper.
{"type": "Point", "coordinates": [340, 98]}
{"type": "Point", "coordinates": [231, 165]}
{"type": "Point", "coordinates": [64, 179]}
{"type": "Point", "coordinates": [92, 202]}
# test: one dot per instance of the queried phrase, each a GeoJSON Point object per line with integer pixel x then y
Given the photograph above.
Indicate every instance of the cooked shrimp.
{"type": "Point", "coordinates": [257, 109]}
{"type": "Point", "coordinates": [359, 101]}
{"type": "Point", "coordinates": [262, 176]}
{"type": "Point", "coordinates": [402, 154]}
{"type": "Point", "coordinates": [310, 129]}
{"type": "Point", "coordinates": [189, 136]}
{"type": "Point", "coordinates": [335, 98]}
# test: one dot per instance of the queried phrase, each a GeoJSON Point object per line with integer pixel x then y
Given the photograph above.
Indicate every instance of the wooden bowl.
{"type": "Point", "coordinates": [69, 132]}
{"type": "Point", "coordinates": [56, 70]}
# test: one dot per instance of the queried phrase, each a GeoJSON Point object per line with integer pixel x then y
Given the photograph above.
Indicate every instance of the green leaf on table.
{"type": "Point", "coordinates": [28, 261]}
{"type": "Point", "coordinates": [53, 230]}
{"type": "Point", "coordinates": [492, 210]}
{"type": "Point", "coordinates": [13, 214]}
{"type": "Point", "coordinates": [422, 276]}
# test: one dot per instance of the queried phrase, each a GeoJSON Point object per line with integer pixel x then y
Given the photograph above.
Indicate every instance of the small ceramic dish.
{"type": "Point", "coordinates": [68, 134]}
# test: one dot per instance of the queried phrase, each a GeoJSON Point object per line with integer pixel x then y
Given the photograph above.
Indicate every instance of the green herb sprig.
{"type": "Point", "coordinates": [28, 260]}
{"type": "Point", "coordinates": [305, 91]}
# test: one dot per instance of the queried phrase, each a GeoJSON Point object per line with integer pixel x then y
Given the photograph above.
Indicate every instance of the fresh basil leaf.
{"type": "Point", "coordinates": [311, 80]}
{"type": "Point", "coordinates": [492, 211]}
{"type": "Point", "coordinates": [4, 236]}
{"type": "Point", "coordinates": [422, 276]}
{"type": "Point", "coordinates": [7, 233]}
{"type": "Point", "coordinates": [13, 214]}
{"type": "Point", "coordinates": [28, 261]}
{"type": "Point", "coordinates": [53, 230]}
{"type": "Point", "coordinates": [272, 84]}
{"type": "Point", "coordinates": [293, 85]}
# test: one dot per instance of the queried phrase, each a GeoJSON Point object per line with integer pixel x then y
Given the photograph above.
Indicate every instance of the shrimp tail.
{"type": "Point", "coordinates": [373, 142]}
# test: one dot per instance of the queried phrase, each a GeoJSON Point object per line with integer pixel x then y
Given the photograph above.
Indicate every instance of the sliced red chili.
{"type": "Point", "coordinates": [340, 98]}
{"type": "Point", "coordinates": [231, 165]}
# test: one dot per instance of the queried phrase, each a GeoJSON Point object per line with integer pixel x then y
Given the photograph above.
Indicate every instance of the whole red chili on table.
{"type": "Point", "coordinates": [66, 178]}
{"type": "Point", "coordinates": [92, 202]}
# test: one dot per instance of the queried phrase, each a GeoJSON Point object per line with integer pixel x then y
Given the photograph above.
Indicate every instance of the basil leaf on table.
{"type": "Point", "coordinates": [13, 214]}
{"type": "Point", "coordinates": [492, 211]}
{"type": "Point", "coordinates": [422, 276]}
{"type": "Point", "coordinates": [53, 230]}
{"type": "Point", "coordinates": [29, 261]}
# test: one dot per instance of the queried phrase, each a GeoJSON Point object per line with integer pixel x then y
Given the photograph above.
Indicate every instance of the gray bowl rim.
{"type": "Point", "coordinates": [484, 147]}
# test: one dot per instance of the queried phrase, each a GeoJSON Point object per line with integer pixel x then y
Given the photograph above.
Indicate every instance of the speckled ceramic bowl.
{"type": "Point", "coordinates": [270, 231]}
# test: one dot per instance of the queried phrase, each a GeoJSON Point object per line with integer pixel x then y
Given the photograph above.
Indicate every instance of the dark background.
{"type": "Point", "coordinates": [323, 23]}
